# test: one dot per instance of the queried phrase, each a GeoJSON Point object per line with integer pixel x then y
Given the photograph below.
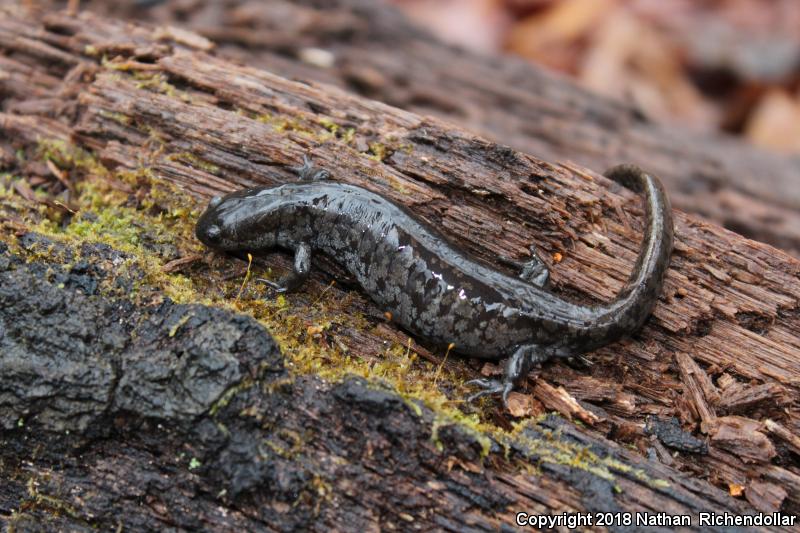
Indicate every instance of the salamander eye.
{"type": "Point", "coordinates": [215, 201]}
{"type": "Point", "coordinates": [213, 232]}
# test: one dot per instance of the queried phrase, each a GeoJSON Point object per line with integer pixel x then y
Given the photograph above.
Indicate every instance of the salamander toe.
{"type": "Point", "coordinates": [491, 387]}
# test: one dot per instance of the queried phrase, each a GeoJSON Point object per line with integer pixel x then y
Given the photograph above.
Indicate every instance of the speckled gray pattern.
{"type": "Point", "coordinates": [432, 289]}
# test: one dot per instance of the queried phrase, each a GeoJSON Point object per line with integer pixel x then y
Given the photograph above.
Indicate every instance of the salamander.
{"type": "Point", "coordinates": [431, 288]}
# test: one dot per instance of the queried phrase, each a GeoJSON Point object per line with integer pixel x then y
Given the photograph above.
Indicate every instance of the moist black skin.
{"type": "Point", "coordinates": [432, 289]}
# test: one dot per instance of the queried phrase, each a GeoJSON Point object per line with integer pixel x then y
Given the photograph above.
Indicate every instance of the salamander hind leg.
{"type": "Point", "coordinates": [535, 271]}
{"type": "Point", "coordinates": [299, 274]}
{"type": "Point", "coordinates": [309, 172]}
{"type": "Point", "coordinates": [517, 367]}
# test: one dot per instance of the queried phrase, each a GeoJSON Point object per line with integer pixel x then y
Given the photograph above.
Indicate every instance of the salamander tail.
{"type": "Point", "coordinates": [634, 303]}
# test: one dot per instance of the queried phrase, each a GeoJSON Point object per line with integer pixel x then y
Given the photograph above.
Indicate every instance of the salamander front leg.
{"type": "Point", "coordinates": [309, 172]}
{"type": "Point", "coordinates": [299, 274]}
{"type": "Point", "coordinates": [517, 367]}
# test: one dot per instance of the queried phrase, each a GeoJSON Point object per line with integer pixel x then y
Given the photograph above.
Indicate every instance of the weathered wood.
{"type": "Point", "coordinates": [730, 308]}
{"type": "Point", "coordinates": [372, 50]}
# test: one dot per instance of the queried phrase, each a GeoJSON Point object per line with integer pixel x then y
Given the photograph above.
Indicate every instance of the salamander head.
{"type": "Point", "coordinates": [241, 221]}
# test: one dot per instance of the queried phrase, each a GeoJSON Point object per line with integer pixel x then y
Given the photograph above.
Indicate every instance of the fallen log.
{"type": "Point", "coordinates": [372, 50]}
{"type": "Point", "coordinates": [133, 108]}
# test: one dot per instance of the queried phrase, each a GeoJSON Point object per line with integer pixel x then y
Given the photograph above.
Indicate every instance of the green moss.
{"type": "Point", "coordinates": [110, 64]}
{"type": "Point", "coordinates": [50, 503]}
{"type": "Point", "coordinates": [196, 162]}
{"type": "Point", "coordinates": [345, 135]}
{"type": "Point", "coordinates": [397, 185]}
{"type": "Point", "coordinates": [284, 125]}
{"type": "Point", "coordinates": [183, 320]}
{"type": "Point", "coordinates": [286, 443]}
{"type": "Point", "coordinates": [658, 483]}
{"type": "Point", "coordinates": [149, 80]}
{"type": "Point", "coordinates": [104, 216]}
{"type": "Point", "coordinates": [118, 228]}
{"type": "Point", "coordinates": [67, 155]}
{"type": "Point", "coordinates": [348, 135]}
{"type": "Point", "coordinates": [321, 131]}
{"type": "Point", "coordinates": [123, 119]}
{"type": "Point", "coordinates": [551, 448]}
{"type": "Point", "coordinates": [229, 394]}
{"type": "Point", "coordinates": [329, 125]}
{"type": "Point", "coordinates": [264, 118]}
{"type": "Point", "coordinates": [321, 487]}
{"type": "Point", "coordinates": [379, 151]}
{"type": "Point", "coordinates": [470, 423]}
{"type": "Point", "coordinates": [154, 81]}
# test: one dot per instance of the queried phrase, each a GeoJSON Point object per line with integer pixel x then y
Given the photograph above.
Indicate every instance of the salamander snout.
{"type": "Point", "coordinates": [213, 233]}
{"type": "Point", "coordinates": [208, 228]}
{"type": "Point", "coordinates": [208, 232]}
